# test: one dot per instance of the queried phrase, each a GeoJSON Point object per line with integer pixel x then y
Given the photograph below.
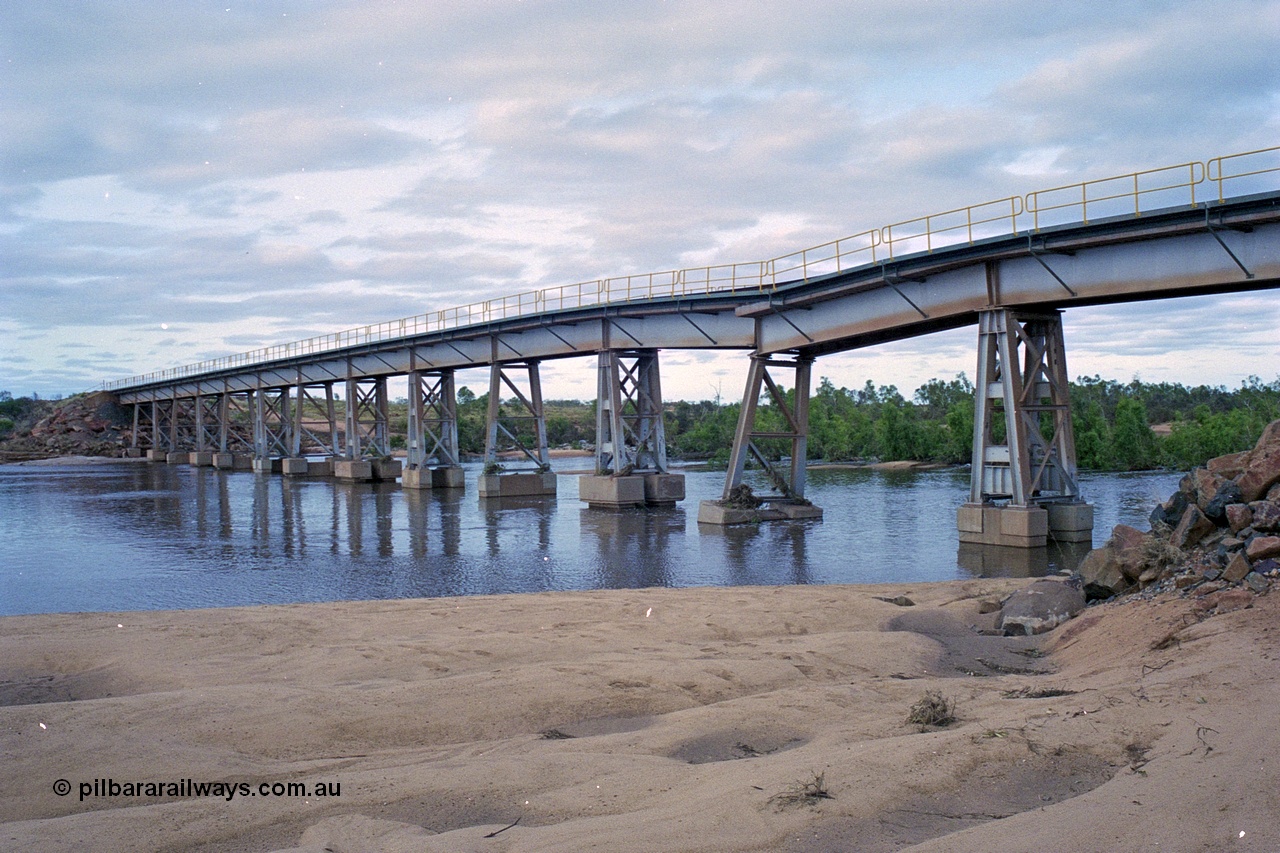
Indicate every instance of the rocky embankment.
{"type": "Point", "coordinates": [1217, 537]}
{"type": "Point", "coordinates": [83, 425]}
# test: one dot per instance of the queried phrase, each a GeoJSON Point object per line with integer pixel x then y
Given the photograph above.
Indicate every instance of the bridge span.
{"type": "Point", "coordinates": [1011, 266]}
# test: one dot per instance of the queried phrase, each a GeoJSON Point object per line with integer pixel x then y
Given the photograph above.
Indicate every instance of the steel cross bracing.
{"type": "Point", "coordinates": [794, 409]}
{"type": "Point", "coordinates": [525, 408]}
{"type": "Point", "coordinates": [207, 416]}
{"type": "Point", "coordinates": [1028, 404]}
{"type": "Point", "coordinates": [144, 427]}
{"type": "Point", "coordinates": [433, 420]}
{"type": "Point", "coordinates": [272, 424]}
{"type": "Point", "coordinates": [235, 422]}
{"type": "Point", "coordinates": [630, 435]}
{"type": "Point", "coordinates": [308, 410]}
{"type": "Point", "coordinates": [367, 415]}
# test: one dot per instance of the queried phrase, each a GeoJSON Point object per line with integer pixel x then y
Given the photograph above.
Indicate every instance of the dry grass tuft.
{"type": "Point", "coordinates": [804, 793]}
{"type": "Point", "coordinates": [933, 709]}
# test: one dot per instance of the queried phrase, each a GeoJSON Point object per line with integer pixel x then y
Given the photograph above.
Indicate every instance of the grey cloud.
{"type": "Point", "coordinates": [581, 141]}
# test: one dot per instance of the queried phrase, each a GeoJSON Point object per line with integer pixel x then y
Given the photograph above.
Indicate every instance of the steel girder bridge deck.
{"type": "Point", "coordinates": [1011, 266]}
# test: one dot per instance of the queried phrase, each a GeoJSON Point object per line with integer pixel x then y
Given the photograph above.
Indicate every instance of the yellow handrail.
{"type": "Point", "coordinates": [1014, 203]}
{"type": "Point", "coordinates": [1222, 177]}
{"type": "Point", "coordinates": [935, 231]}
{"type": "Point", "coordinates": [1195, 175]}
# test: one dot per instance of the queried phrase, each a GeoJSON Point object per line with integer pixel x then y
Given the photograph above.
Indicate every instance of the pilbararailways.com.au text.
{"type": "Point", "coordinates": [190, 788]}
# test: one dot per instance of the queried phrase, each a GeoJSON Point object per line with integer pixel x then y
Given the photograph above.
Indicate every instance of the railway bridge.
{"type": "Point", "coordinates": [1011, 267]}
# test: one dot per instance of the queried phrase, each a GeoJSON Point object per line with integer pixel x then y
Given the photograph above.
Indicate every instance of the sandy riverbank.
{"type": "Point", "coordinates": [647, 720]}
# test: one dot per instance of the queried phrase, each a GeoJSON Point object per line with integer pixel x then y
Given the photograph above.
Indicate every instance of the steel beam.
{"type": "Point", "coordinates": [794, 411]}
{"type": "Point", "coordinates": [433, 420]}
{"type": "Point", "coordinates": [630, 434]}
{"type": "Point", "coordinates": [504, 420]}
{"type": "Point", "coordinates": [367, 417]}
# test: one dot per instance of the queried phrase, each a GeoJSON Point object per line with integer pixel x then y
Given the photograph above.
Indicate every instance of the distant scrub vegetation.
{"type": "Point", "coordinates": [1112, 422]}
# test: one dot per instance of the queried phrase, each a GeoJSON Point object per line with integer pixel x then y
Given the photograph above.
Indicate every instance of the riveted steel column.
{"type": "Point", "coordinates": [1023, 485]}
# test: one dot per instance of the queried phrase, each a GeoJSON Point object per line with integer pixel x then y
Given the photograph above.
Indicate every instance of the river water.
{"type": "Point", "coordinates": [140, 536]}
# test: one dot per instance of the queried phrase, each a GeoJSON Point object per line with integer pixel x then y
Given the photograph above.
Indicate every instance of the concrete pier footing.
{"type": "Point", "coordinates": [518, 485]}
{"type": "Point", "coordinates": [157, 456]}
{"type": "Point", "coordinates": [178, 457]}
{"type": "Point", "coordinates": [385, 469]}
{"type": "Point", "coordinates": [267, 465]}
{"type": "Point", "coordinates": [353, 470]}
{"type": "Point", "coordinates": [714, 512]}
{"type": "Point", "coordinates": [444, 477]}
{"type": "Point", "coordinates": [366, 470]}
{"type": "Point", "coordinates": [663, 489]}
{"type": "Point", "coordinates": [233, 461]}
{"type": "Point", "coordinates": [303, 467]}
{"type": "Point", "coordinates": [608, 492]}
{"type": "Point", "coordinates": [1025, 527]}
{"type": "Point", "coordinates": [200, 458]}
{"type": "Point", "coordinates": [319, 467]}
{"type": "Point", "coordinates": [1071, 522]}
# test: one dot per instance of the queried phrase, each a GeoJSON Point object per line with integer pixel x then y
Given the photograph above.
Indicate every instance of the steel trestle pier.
{"type": "Point", "coordinates": [1011, 266]}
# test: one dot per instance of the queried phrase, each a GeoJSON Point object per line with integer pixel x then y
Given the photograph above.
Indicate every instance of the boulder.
{"type": "Point", "coordinates": [1040, 607]}
{"type": "Point", "coordinates": [1261, 465]}
{"type": "Point", "coordinates": [1116, 566]}
{"type": "Point", "coordinates": [1228, 466]}
{"type": "Point", "coordinates": [1265, 516]}
{"type": "Point", "coordinates": [1226, 601]}
{"type": "Point", "coordinates": [1192, 527]}
{"type": "Point", "coordinates": [1257, 582]}
{"type": "Point", "coordinates": [1170, 511]}
{"type": "Point", "coordinates": [1237, 568]}
{"type": "Point", "coordinates": [1201, 485]}
{"type": "Point", "coordinates": [1101, 575]}
{"type": "Point", "coordinates": [1216, 510]}
{"type": "Point", "coordinates": [1262, 548]}
{"type": "Point", "coordinates": [1239, 516]}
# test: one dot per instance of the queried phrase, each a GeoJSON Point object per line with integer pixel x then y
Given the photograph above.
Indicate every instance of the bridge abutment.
{"type": "Point", "coordinates": [1023, 488]}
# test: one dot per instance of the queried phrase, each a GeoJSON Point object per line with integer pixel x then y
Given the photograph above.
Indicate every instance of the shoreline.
{"type": "Point", "coordinates": [651, 719]}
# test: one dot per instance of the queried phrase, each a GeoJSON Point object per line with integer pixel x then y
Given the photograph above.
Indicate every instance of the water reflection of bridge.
{"type": "Point", "coordinates": [1011, 266]}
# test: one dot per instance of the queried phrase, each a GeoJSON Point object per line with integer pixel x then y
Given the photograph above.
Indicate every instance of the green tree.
{"type": "Point", "coordinates": [1133, 443]}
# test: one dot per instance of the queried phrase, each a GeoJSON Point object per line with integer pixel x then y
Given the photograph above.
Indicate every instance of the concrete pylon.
{"type": "Point", "coordinates": [503, 433]}
{"type": "Point", "coordinates": [789, 485]}
{"type": "Point", "coordinates": [433, 460]}
{"type": "Point", "coordinates": [1023, 486]}
{"type": "Point", "coordinates": [631, 441]}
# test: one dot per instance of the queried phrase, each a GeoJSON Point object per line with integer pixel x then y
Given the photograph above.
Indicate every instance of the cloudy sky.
{"type": "Point", "coordinates": [182, 180]}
